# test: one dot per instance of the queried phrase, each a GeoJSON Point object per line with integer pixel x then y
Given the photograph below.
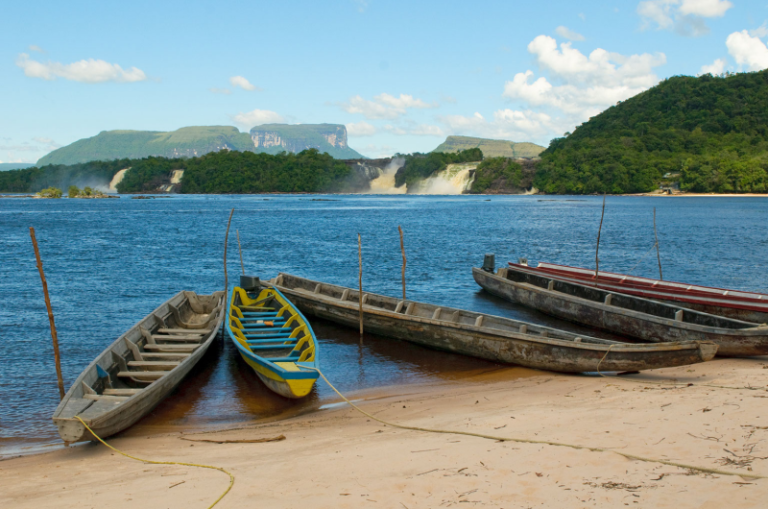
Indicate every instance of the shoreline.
{"type": "Point", "coordinates": [339, 458]}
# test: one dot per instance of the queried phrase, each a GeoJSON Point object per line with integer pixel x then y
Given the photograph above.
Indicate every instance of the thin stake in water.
{"type": "Point", "coordinates": [54, 337]}
{"type": "Point", "coordinates": [597, 247]}
{"type": "Point", "coordinates": [658, 256]}
{"type": "Point", "coordinates": [402, 248]}
{"type": "Point", "coordinates": [360, 281]}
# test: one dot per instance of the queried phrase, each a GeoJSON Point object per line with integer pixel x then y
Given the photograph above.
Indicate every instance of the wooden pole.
{"type": "Point", "coordinates": [239, 248]}
{"type": "Point", "coordinates": [226, 241]}
{"type": "Point", "coordinates": [658, 255]}
{"type": "Point", "coordinates": [54, 337]}
{"type": "Point", "coordinates": [402, 248]}
{"type": "Point", "coordinates": [360, 281]}
{"type": "Point", "coordinates": [597, 246]}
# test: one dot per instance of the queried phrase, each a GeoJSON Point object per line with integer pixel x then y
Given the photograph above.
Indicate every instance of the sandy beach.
{"type": "Point", "coordinates": [339, 458]}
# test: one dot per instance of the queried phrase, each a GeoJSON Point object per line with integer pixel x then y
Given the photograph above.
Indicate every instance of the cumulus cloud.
{"type": "Point", "coordinates": [35, 47]}
{"type": "Point", "coordinates": [590, 83]}
{"type": "Point", "coordinates": [84, 71]}
{"type": "Point", "coordinates": [239, 81]}
{"type": "Point", "coordinates": [567, 33]}
{"type": "Point", "coordinates": [747, 50]}
{"type": "Point", "coordinates": [715, 68]}
{"type": "Point", "coordinates": [360, 129]}
{"type": "Point", "coordinates": [686, 17]}
{"type": "Point", "coordinates": [760, 31]}
{"type": "Point", "coordinates": [506, 124]}
{"type": "Point", "coordinates": [414, 129]}
{"type": "Point", "coordinates": [257, 117]}
{"type": "Point", "coordinates": [384, 106]}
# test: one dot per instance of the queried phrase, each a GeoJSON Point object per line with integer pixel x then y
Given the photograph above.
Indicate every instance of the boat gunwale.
{"type": "Point", "coordinates": [494, 334]}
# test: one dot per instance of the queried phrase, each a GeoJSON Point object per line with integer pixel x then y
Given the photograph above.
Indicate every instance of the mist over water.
{"type": "Point", "coordinates": [110, 262]}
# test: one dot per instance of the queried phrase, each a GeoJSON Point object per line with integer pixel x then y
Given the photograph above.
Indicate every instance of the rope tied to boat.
{"type": "Point", "coordinates": [541, 442]}
{"type": "Point", "coordinates": [220, 469]}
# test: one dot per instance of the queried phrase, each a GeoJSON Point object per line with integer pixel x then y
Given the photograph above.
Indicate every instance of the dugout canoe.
{"type": "Point", "coordinates": [746, 306]}
{"type": "Point", "coordinates": [274, 338]}
{"type": "Point", "coordinates": [480, 335]}
{"type": "Point", "coordinates": [622, 314]}
{"type": "Point", "coordinates": [141, 367]}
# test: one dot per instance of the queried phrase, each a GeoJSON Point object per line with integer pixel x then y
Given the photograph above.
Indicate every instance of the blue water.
{"type": "Point", "coordinates": [110, 262]}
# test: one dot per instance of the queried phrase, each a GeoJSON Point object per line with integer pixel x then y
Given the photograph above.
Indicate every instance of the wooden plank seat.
{"type": "Point", "coordinates": [283, 359]}
{"type": "Point", "coordinates": [200, 332]}
{"type": "Point", "coordinates": [273, 329]}
{"type": "Point", "coordinates": [257, 320]}
{"type": "Point", "coordinates": [142, 375]}
{"type": "Point", "coordinates": [261, 327]}
{"type": "Point", "coordinates": [153, 365]}
{"type": "Point", "coordinates": [270, 340]}
{"type": "Point", "coordinates": [121, 392]}
{"type": "Point", "coordinates": [164, 356]}
{"type": "Point", "coordinates": [160, 337]}
{"type": "Point", "coordinates": [271, 347]}
{"type": "Point", "coordinates": [99, 397]}
{"type": "Point", "coordinates": [255, 308]}
{"type": "Point", "coordinates": [171, 348]}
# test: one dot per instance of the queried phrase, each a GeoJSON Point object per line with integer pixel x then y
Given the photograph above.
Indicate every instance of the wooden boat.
{"type": "Point", "coordinates": [484, 336]}
{"type": "Point", "coordinates": [747, 306]}
{"type": "Point", "coordinates": [623, 314]}
{"type": "Point", "coordinates": [275, 339]}
{"type": "Point", "coordinates": [141, 367]}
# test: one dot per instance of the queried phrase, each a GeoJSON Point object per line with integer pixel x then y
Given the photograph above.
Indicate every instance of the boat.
{"type": "Point", "coordinates": [622, 314]}
{"type": "Point", "coordinates": [746, 306]}
{"type": "Point", "coordinates": [141, 367]}
{"type": "Point", "coordinates": [274, 338]}
{"type": "Point", "coordinates": [481, 335]}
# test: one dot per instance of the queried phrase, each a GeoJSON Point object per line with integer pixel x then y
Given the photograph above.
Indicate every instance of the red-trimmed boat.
{"type": "Point", "coordinates": [746, 306]}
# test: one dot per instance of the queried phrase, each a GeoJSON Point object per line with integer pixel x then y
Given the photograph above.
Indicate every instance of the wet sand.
{"type": "Point", "coordinates": [340, 458]}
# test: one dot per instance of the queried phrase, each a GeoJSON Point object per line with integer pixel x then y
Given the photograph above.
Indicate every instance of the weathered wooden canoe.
{"type": "Point", "coordinates": [275, 339]}
{"type": "Point", "coordinates": [624, 314]}
{"type": "Point", "coordinates": [484, 336]}
{"type": "Point", "coordinates": [141, 367]}
{"type": "Point", "coordinates": [740, 305]}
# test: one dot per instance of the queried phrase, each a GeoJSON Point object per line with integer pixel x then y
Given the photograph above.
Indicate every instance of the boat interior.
{"type": "Point", "coordinates": [146, 353]}
{"type": "Point", "coordinates": [624, 301]}
{"type": "Point", "coordinates": [269, 327]}
{"type": "Point", "coordinates": [408, 308]}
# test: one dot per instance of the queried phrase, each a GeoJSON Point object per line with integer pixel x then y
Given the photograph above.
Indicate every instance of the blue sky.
{"type": "Point", "coordinates": [401, 75]}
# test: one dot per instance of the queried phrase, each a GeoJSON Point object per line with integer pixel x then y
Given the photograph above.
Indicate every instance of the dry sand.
{"type": "Point", "coordinates": [340, 458]}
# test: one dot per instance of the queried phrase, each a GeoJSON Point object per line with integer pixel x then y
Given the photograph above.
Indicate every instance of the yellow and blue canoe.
{"type": "Point", "coordinates": [275, 339]}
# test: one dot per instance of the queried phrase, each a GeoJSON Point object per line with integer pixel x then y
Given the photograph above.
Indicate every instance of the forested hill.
{"type": "Point", "coordinates": [709, 133]}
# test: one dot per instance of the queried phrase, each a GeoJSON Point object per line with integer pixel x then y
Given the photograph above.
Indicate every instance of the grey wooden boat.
{"type": "Point", "coordinates": [623, 314]}
{"type": "Point", "coordinates": [141, 367]}
{"type": "Point", "coordinates": [481, 335]}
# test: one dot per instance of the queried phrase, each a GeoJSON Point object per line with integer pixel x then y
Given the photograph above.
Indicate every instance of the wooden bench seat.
{"type": "Point", "coordinates": [153, 365]}
{"type": "Point", "coordinates": [121, 392]}
{"type": "Point", "coordinates": [171, 348]}
{"type": "Point", "coordinates": [201, 332]}
{"type": "Point", "coordinates": [142, 375]}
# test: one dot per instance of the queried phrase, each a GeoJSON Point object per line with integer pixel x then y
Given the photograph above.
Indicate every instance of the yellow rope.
{"type": "Point", "coordinates": [540, 442]}
{"type": "Point", "coordinates": [231, 477]}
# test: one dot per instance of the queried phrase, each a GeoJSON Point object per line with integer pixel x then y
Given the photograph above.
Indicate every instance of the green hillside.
{"type": "Point", "coordinates": [490, 148]}
{"type": "Point", "coordinates": [330, 138]}
{"type": "Point", "coordinates": [185, 142]}
{"type": "Point", "coordinates": [712, 131]}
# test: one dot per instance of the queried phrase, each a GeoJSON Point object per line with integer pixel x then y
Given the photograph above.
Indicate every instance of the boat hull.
{"type": "Point", "coordinates": [505, 347]}
{"type": "Point", "coordinates": [731, 342]}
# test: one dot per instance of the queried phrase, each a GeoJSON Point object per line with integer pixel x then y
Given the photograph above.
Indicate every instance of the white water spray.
{"type": "Point", "coordinates": [385, 182]}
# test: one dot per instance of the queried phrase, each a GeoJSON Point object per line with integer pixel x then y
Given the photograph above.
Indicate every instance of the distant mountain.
{"type": "Point", "coordinates": [490, 148]}
{"type": "Point", "coordinates": [197, 141]}
{"type": "Point", "coordinates": [15, 166]}
{"type": "Point", "coordinates": [330, 138]}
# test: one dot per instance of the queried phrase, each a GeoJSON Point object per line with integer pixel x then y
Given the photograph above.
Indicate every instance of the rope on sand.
{"type": "Point", "coordinates": [540, 442]}
{"type": "Point", "coordinates": [231, 477]}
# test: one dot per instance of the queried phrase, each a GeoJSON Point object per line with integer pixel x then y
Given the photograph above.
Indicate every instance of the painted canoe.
{"type": "Point", "coordinates": [275, 339]}
{"type": "Point", "coordinates": [747, 306]}
{"type": "Point", "coordinates": [481, 335]}
{"type": "Point", "coordinates": [622, 314]}
{"type": "Point", "coordinates": [136, 372]}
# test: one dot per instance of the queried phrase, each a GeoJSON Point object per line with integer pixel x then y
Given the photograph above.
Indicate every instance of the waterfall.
{"type": "Point", "coordinates": [455, 179]}
{"type": "Point", "coordinates": [385, 182]}
{"type": "Point", "coordinates": [116, 180]}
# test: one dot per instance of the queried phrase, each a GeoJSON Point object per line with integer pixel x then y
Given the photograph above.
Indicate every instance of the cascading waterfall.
{"type": "Point", "coordinates": [455, 179]}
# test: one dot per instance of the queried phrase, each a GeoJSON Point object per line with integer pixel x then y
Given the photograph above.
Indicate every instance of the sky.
{"type": "Point", "coordinates": [401, 75]}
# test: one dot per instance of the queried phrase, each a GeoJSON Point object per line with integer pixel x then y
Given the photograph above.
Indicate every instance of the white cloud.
{"type": "Point", "coordinates": [224, 91]}
{"type": "Point", "coordinates": [567, 33]}
{"type": "Point", "coordinates": [384, 106]}
{"type": "Point", "coordinates": [747, 50]}
{"type": "Point", "coordinates": [413, 129]}
{"type": "Point", "coordinates": [715, 68]}
{"type": "Point", "coordinates": [705, 8]}
{"type": "Point", "coordinates": [360, 129]}
{"type": "Point", "coordinates": [686, 17]}
{"type": "Point", "coordinates": [35, 47]}
{"type": "Point", "coordinates": [239, 81]}
{"type": "Point", "coordinates": [760, 31]}
{"type": "Point", "coordinates": [507, 124]}
{"type": "Point", "coordinates": [85, 71]}
{"type": "Point", "coordinates": [378, 151]}
{"type": "Point", "coordinates": [257, 117]}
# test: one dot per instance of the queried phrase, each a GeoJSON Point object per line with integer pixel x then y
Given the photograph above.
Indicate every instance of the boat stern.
{"type": "Point", "coordinates": [707, 350]}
